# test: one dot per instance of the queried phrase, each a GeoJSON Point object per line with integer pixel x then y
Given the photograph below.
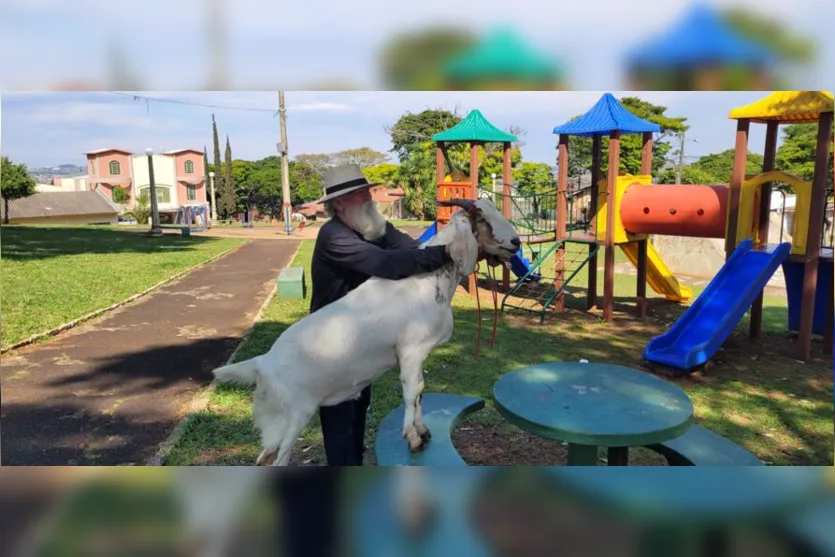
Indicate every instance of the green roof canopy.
{"type": "Point", "coordinates": [503, 54]}
{"type": "Point", "coordinates": [474, 127]}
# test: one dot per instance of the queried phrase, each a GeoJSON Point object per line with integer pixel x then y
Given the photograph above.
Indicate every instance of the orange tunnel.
{"type": "Point", "coordinates": [675, 210]}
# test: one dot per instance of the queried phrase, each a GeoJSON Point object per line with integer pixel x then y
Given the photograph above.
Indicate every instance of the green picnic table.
{"type": "Point", "coordinates": [591, 405]}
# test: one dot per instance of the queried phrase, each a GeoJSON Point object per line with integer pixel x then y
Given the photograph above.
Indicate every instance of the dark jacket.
{"type": "Point", "coordinates": [343, 260]}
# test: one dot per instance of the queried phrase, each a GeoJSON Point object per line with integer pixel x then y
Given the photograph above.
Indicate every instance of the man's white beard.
{"type": "Point", "coordinates": [366, 220]}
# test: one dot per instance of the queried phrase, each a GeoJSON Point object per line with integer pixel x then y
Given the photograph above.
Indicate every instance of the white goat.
{"type": "Point", "coordinates": [330, 355]}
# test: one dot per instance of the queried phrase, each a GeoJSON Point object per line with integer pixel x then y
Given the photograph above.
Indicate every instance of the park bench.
{"type": "Point", "coordinates": [184, 230]}
{"type": "Point", "coordinates": [702, 447]}
{"type": "Point", "coordinates": [811, 530]}
{"type": "Point", "coordinates": [291, 283]}
{"type": "Point", "coordinates": [441, 413]}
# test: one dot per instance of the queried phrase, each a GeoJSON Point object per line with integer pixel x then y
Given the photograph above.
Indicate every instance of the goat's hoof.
{"type": "Point", "coordinates": [426, 435]}
{"type": "Point", "coordinates": [416, 446]}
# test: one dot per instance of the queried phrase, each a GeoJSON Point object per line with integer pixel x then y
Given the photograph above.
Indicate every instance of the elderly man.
{"type": "Point", "coordinates": [356, 244]}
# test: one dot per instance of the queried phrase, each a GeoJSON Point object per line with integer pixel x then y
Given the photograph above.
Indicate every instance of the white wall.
{"type": "Point", "coordinates": [165, 176]}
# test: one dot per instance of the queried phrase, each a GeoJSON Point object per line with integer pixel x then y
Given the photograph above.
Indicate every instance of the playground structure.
{"type": "Point", "coordinates": [194, 217]}
{"type": "Point", "coordinates": [737, 213]}
{"type": "Point", "coordinates": [625, 210]}
{"type": "Point", "coordinates": [475, 130]}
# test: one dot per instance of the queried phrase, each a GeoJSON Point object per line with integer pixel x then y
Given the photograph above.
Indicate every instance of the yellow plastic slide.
{"type": "Point", "coordinates": [659, 277]}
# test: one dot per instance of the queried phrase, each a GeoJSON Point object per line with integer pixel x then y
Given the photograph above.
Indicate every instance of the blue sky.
{"type": "Point", "coordinates": [271, 45]}
{"type": "Point", "coordinates": [51, 128]}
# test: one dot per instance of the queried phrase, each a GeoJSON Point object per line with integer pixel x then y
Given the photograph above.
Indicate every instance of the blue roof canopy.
{"type": "Point", "coordinates": [702, 36]}
{"type": "Point", "coordinates": [606, 116]}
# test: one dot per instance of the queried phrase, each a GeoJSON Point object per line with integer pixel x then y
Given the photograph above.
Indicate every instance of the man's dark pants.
{"type": "Point", "coordinates": [343, 430]}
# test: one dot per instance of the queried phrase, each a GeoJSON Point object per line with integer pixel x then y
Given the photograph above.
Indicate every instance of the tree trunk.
{"type": "Point", "coordinates": [6, 209]}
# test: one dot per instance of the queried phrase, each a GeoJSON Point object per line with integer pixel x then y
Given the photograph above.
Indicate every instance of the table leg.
{"type": "Point", "coordinates": [582, 455]}
{"type": "Point", "coordinates": [618, 456]}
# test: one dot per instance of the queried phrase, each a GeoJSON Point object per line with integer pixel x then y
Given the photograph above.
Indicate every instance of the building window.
{"type": "Point", "coordinates": [163, 193]}
{"type": "Point", "coordinates": [115, 168]}
{"type": "Point", "coordinates": [189, 167]}
{"type": "Point", "coordinates": [191, 189]}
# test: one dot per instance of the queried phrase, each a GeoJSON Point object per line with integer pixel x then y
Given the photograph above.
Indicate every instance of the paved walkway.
{"type": "Point", "coordinates": [109, 392]}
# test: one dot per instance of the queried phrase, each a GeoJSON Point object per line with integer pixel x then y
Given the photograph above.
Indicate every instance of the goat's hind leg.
{"type": "Point", "coordinates": [411, 379]}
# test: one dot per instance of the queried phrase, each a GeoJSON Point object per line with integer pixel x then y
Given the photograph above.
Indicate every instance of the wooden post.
{"type": "Point", "coordinates": [812, 260]}
{"type": "Point", "coordinates": [609, 264]}
{"type": "Point", "coordinates": [830, 321]}
{"type": "Point", "coordinates": [646, 169]}
{"type": "Point", "coordinates": [596, 157]}
{"type": "Point", "coordinates": [473, 195]}
{"type": "Point", "coordinates": [507, 179]}
{"type": "Point", "coordinates": [769, 157]}
{"type": "Point", "coordinates": [439, 162]}
{"type": "Point", "coordinates": [735, 185]}
{"type": "Point", "coordinates": [562, 208]}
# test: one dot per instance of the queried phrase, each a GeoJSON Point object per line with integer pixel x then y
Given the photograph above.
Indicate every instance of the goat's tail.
{"type": "Point", "coordinates": [244, 373]}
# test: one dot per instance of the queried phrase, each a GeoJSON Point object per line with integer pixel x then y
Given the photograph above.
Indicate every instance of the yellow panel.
{"type": "Point", "coordinates": [787, 106]}
{"type": "Point", "coordinates": [621, 185]}
{"type": "Point", "coordinates": [749, 202]}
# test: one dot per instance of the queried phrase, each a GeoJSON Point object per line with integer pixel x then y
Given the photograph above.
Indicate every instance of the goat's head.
{"type": "Point", "coordinates": [496, 238]}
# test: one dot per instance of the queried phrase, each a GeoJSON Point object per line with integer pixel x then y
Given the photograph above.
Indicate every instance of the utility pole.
{"type": "Point", "coordinates": [680, 157]}
{"type": "Point", "coordinates": [156, 230]}
{"type": "Point", "coordinates": [285, 167]}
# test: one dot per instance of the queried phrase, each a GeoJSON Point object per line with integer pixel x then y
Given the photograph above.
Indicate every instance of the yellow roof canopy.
{"type": "Point", "coordinates": [789, 107]}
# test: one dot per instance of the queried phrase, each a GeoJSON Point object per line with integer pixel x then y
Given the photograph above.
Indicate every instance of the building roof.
{"type": "Point", "coordinates": [109, 149]}
{"type": "Point", "coordinates": [475, 127]}
{"type": "Point", "coordinates": [792, 107]}
{"type": "Point", "coordinates": [178, 151]}
{"type": "Point", "coordinates": [700, 37]}
{"type": "Point", "coordinates": [503, 54]}
{"type": "Point", "coordinates": [606, 116]}
{"type": "Point", "coordinates": [59, 204]}
{"type": "Point", "coordinates": [385, 195]}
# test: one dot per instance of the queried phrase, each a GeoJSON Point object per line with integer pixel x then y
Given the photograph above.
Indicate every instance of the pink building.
{"type": "Point", "coordinates": [179, 176]}
{"type": "Point", "coordinates": [109, 169]}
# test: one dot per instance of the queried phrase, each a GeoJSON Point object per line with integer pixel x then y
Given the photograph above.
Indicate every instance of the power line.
{"type": "Point", "coordinates": [136, 97]}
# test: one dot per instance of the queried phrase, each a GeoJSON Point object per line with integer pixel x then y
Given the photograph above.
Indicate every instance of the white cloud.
{"type": "Point", "coordinates": [321, 107]}
{"type": "Point", "coordinates": [88, 113]}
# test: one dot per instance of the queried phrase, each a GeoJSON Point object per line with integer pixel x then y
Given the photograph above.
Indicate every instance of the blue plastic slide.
{"type": "Point", "coordinates": [706, 324]}
{"type": "Point", "coordinates": [520, 265]}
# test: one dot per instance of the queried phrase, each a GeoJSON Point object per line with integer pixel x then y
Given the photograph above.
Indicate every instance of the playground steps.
{"type": "Point", "coordinates": [536, 291]}
{"type": "Point", "coordinates": [291, 283]}
{"type": "Point", "coordinates": [441, 413]}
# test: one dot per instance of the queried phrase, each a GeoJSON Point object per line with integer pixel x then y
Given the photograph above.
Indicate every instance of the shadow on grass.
{"type": "Point", "coordinates": [24, 243]}
{"type": "Point", "coordinates": [755, 393]}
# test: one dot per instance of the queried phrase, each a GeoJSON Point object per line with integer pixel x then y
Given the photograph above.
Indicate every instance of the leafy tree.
{"type": "Point", "coordinates": [536, 178]}
{"type": "Point", "coordinates": [690, 174]}
{"type": "Point", "coordinates": [15, 183]}
{"type": "Point", "coordinates": [796, 154]}
{"type": "Point", "coordinates": [715, 168]}
{"type": "Point", "coordinates": [384, 173]}
{"type": "Point", "coordinates": [319, 162]}
{"type": "Point", "coordinates": [305, 182]}
{"type": "Point", "coordinates": [216, 167]}
{"type": "Point", "coordinates": [142, 208]}
{"type": "Point", "coordinates": [772, 34]}
{"type": "Point", "coordinates": [227, 200]}
{"type": "Point", "coordinates": [412, 61]}
{"type": "Point", "coordinates": [412, 129]}
{"type": "Point", "coordinates": [580, 148]}
{"type": "Point", "coordinates": [121, 195]}
{"type": "Point", "coordinates": [417, 173]}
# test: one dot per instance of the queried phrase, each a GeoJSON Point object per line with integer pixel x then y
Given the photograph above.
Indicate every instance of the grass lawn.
{"type": "Point", "coordinates": [754, 392]}
{"type": "Point", "coordinates": [52, 275]}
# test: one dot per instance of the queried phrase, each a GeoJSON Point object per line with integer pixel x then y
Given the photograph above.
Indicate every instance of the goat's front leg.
{"type": "Point", "coordinates": [411, 378]}
{"type": "Point", "coordinates": [421, 428]}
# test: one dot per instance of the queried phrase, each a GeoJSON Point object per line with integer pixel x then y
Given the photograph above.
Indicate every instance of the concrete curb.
{"type": "Point", "coordinates": [96, 313]}
{"type": "Point", "coordinates": [201, 400]}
